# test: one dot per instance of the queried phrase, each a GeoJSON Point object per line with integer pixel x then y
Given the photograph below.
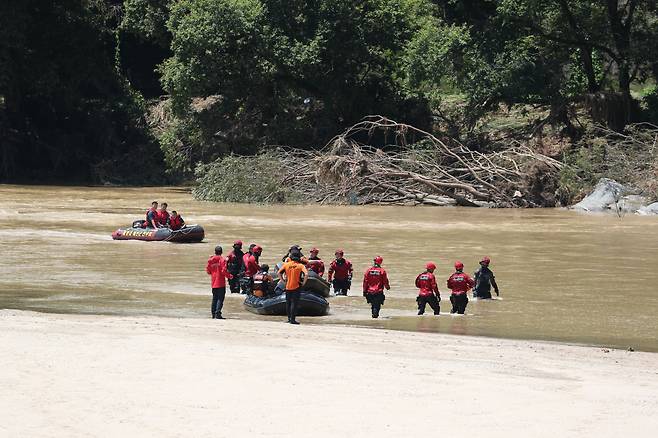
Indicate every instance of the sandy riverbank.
{"type": "Point", "coordinates": [71, 375]}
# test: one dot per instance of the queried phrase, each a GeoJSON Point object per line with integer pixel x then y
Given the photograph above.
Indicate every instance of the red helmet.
{"type": "Point", "coordinates": [314, 250]}
{"type": "Point", "coordinates": [459, 265]}
{"type": "Point", "coordinates": [237, 243]}
{"type": "Point", "coordinates": [485, 260]}
{"type": "Point", "coordinates": [378, 260]}
{"type": "Point", "coordinates": [339, 252]}
{"type": "Point", "coordinates": [430, 266]}
{"type": "Point", "coordinates": [257, 249]}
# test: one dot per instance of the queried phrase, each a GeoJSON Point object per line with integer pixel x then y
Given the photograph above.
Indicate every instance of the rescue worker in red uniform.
{"type": "Point", "coordinates": [263, 282]}
{"type": "Point", "coordinates": [235, 266]}
{"type": "Point", "coordinates": [375, 280]}
{"type": "Point", "coordinates": [484, 280]}
{"type": "Point", "coordinates": [176, 221]}
{"type": "Point", "coordinates": [216, 268]}
{"type": "Point", "coordinates": [428, 291]}
{"type": "Point", "coordinates": [340, 273]}
{"type": "Point", "coordinates": [251, 268]}
{"type": "Point", "coordinates": [152, 216]}
{"type": "Point", "coordinates": [459, 283]}
{"type": "Point", "coordinates": [315, 263]}
{"type": "Point", "coordinates": [163, 216]}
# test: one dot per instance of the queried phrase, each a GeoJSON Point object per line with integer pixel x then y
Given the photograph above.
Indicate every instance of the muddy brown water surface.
{"type": "Point", "coordinates": [564, 276]}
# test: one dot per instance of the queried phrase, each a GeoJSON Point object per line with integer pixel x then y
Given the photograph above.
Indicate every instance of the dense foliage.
{"type": "Point", "coordinates": [120, 90]}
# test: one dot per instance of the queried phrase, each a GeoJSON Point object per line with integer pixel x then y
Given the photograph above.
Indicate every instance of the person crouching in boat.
{"type": "Point", "coordinates": [163, 216]}
{"type": "Point", "coordinates": [216, 268]}
{"type": "Point", "coordinates": [235, 266]}
{"type": "Point", "coordinates": [315, 263]}
{"type": "Point", "coordinates": [295, 278]}
{"type": "Point", "coordinates": [176, 221]}
{"type": "Point", "coordinates": [251, 268]}
{"type": "Point", "coordinates": [428, 291]}
{"type": "Point", "coordinates": [340, 273]}
{"type": "Point", "coordinates": [375, 280]}
{"type": "Point", "coordinates": [484, 280]}
{"type": "Point", "coordinates": [152, 216]}
{"type": "Point", "coordinates": [263, 282]}
{"type": "Point", "coordinates": [459, 283]}
{"type": "Point", "coordinates": [296, 249]}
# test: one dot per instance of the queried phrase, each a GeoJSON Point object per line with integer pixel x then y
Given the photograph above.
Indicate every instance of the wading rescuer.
{"type": "Point", "coordinates": [428, 291]}
{"type": "Point", "coordinates": [459, 283]}
{"type": "Point", "coordinates": [484, 280]}
{"type": "Point", "coordinates": [375, 280]}
{"type": "Point", "coordinates": [163, 216]}
{"type": "Point", "coordinates": [251, 268]}
{"type": "Point", "coordinates": [263, 282]}
{"type": "Point", "coordinates": [340, 273]}
{"type": "Point", "coordinates": [176, 221]}
{"type": "Point", "coordinates": [315, 263]}
{"type": "Point", "coordinates": [295, 277]}
{"type": "Point", "coordinates": [235, 266]}
{"type": "Point", "coordinates": [216, 268]}
{"type": "Point", "coordinates": [152, 216]}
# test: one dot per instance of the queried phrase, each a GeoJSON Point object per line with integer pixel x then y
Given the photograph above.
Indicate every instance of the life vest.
{"type": "Point", "coordinates": [162, 217]}
{"type": "Point", "coordinates": [151, 216]}
{"type": "Point", "coordinates": [176, 223]}
{"type": "Point", "coordinates": [262, 282]}
{"type": "Point", "coordinates": [316, 265]}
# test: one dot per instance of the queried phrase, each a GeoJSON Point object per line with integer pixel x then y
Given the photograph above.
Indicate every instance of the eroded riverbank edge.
{"type": "Point", "coordinates": [75, 375]}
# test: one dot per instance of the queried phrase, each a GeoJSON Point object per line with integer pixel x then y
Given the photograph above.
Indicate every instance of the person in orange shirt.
{"type": "Point", "coordinates": [295, 277]}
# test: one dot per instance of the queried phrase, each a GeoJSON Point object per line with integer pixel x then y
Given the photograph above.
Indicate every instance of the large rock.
{"type": "Point", "coordinates": [606, 193]}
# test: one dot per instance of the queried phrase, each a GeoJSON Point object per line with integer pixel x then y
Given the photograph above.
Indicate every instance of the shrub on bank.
{"type": "Point", "coordinates": [249, 179]}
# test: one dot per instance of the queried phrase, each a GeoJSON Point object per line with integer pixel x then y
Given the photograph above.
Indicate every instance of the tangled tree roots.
{"type": "Point", "coordinates": [417, 168]}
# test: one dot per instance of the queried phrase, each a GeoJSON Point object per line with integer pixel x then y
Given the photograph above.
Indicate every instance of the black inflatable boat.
{"type": "Point", "coordinates": [187, 234]}
{"type": "Point", "coordinates": [310, 304]}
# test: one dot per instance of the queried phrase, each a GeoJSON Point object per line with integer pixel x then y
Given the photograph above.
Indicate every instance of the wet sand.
{"type": "Point", "coordinates": [77, 375]}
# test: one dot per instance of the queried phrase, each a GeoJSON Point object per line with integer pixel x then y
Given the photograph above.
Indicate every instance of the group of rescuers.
{"type": "Point", "coordinates": [160, 218]}
{"type": "Point", "coordinates": [244, 274]}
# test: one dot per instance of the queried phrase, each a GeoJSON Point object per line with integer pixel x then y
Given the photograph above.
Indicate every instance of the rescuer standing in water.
{"type": "Point", "coordinates": [235, 266]}
{"type": "Point", "coordinates": [251, 268]}
{"type": "Point", "coordinates": [340, 273]}
{"type": "Point", "coordinates": [459, 283]}
{"type": "Point", "coordinates": [216, 268]}
{"type": "Point", "coordinates": [315, 263]}
{"type": "Point", "coordinates": [375, 280]}
{"type": "Point", "coordinates": [428, 291]}
{"type": "Point", "coordinates": [484, 280]}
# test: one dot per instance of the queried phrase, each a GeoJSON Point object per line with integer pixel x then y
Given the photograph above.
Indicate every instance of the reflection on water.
{"type": "Point", "coordinates": [563, 276]}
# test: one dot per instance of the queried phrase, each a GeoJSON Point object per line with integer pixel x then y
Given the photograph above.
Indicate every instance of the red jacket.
{"type": "Point", "coordinates": [216, 268]}
{"type": "Point", "coordinates": [426, 283]}
{"type": "Point", "coordinates": [459, 283]}
{"type": "Point", "coordinates": [340, 271]}
{"type": "Point", "coordinates": [176, 223]}
{"type": "Point", "coordinates": [251, 267]}
{"type": "Point", "coordinates": [375, 280]}
{"type": "Point", "coordinates": [316, 265]}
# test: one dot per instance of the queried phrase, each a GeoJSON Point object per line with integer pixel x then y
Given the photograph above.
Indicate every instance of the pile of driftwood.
{"type": "Point", "coordinates": [415, 168]}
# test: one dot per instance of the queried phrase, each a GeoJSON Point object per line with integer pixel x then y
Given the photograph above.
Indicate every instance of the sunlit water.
{"type": "Point", "coordinates": [563, 276]}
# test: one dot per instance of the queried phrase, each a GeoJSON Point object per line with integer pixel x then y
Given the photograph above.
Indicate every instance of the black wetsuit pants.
{"type": "Point", "coordinates": [341, 286]}
{"type": "Point", "coordinates": [459, 303]}
{"type": "Point", "coordinates": [292, 300]}
{"type": "Point", "coordinates": [376, 301]}
{"type": "Point", "coordinates": [234, 284]}
{"type": "Point", "coordinates": [218, 294]}
{"type": "Point", "coordinates": [429, 299]}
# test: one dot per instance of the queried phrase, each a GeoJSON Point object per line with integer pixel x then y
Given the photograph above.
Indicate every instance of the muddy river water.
{"type": "Point", "coordinates": [564, 276]}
